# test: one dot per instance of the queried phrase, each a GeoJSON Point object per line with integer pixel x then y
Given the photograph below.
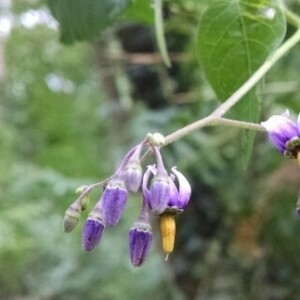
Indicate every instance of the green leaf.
{"type": "Point", "coordinates": [82, 20]}
{"type": "Point", "coordinates": [234, 39]}
{"type": "Point", "coordinates": [139, 11]}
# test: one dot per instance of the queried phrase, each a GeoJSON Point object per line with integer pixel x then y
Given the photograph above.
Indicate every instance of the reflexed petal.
{"type": "Point", "coordinates": [92, 233]}
{"type": "Point", "coordinates": [146, 192]}
{"type": "Point", "coordinates": [184, 188]}
{"type": "Point", "coordinates": [140, 238]}
{"type": "Point", "coordinates": [114, 200]}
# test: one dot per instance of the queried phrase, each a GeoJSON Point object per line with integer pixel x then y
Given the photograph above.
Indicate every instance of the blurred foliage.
{"type": "Point", "coordinates": [69, 113]}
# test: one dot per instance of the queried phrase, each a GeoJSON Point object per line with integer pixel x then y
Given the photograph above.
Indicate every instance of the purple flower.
{"type": "Point", "coordinates": [159, 194]}
{"type": "Point", "coordinates": [140, 238]}
{"type": "Point", "coordinates": [92, 233]}
{"type": "Point", "coordinates": [180, 197]}
{"type": "Point", "coordinates": [114, 199]}
{"type": "Point", "coordinates": [284, 133]}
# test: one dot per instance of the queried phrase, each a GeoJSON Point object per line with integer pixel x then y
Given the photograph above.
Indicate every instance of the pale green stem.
{"type": "Point", "coordinates": [292, 18]}
{"type": "Point", "coordinates": [159, 32]}
{"type": "Point", "coordinates": [239, 93]}
{"type": "Point", "coordinates": [237, 124]}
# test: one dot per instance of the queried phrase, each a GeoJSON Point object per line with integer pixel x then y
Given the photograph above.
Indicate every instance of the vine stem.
{"type": "Point", "coordinates": [215, 118]}
{"type": "Point", "coordinates": [159, 32]}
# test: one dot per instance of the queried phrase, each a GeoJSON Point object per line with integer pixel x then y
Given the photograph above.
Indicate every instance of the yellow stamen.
{"type": "Point", "coordinates": [298, 158]}
{"type": "Point", "coordinates": [168, 231]}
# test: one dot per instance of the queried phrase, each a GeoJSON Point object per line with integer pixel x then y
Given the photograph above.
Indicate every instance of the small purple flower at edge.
{"type": "Point", "coordinates": [284, 134]}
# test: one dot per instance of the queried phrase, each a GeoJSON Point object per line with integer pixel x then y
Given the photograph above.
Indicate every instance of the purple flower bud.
{"type": "Point", "coordinates": [140, 238]}
{"type": "Point", "coordinates": [92, 232]}
{"type": "Point", "coordinates": [159, 194]}
{"type": "Point", "coordinates": [114, 199]}
{"type": "Point", "coordinates": [179, 198]}
{"type": "Point", "coordinates": [283, 133]}
{"type": "Point", "coordinates": [133, 176]}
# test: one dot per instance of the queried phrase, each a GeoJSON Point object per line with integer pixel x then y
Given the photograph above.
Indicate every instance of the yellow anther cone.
{"type": "Point", "coordinates": [168, 232]}
{"type": "Point", "coordinates": [298, 158]}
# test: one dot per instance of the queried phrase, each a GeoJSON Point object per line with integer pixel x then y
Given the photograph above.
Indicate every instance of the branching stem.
{"type": "Point", "coordinates": [216, 117]}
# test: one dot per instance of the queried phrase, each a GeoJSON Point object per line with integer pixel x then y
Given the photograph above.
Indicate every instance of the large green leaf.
{"type": "Point", "coordinates": [139, 11]}
{"type": "Point", "coordinates": [234, 39]}
{"type": "Point", "coordinates": [85, 19]}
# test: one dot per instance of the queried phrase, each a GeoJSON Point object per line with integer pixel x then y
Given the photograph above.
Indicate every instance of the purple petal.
{"type": "Point", "coordinates": [159, 194]}
{"type": "Point", "coordinates": [277, 142]}
{"type": "Point", "coordinates": [140, 238]}
{"type": "Point", "coordinates": [174, 195]}
{"type": "Point", "coordinates": [184, 189]}
{"type": "Point", "coordinates": [114, 200]}
{"type": "Point", "coordinates": [133, 176]}
{"type": "Point", "coordinates": [91, 234]}
{"type": "Point", "coordinates": [151, 170]}
{"type": "Point", "coordinates": [280, 130]}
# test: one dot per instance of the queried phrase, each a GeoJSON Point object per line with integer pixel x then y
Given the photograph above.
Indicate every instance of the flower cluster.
{"type": "Point", "coordinates": [164, 195]}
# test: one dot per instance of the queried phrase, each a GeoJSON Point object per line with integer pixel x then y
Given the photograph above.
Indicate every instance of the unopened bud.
{"type": "Point", "coordinates": [81, 189]}
{"type": "Point", "coordinates": [140, 238]}
{"type": "Point", "coordinates": [168, 232]}
{"type": "Point", "coordinates": [92, 233]}
{"type": "Point", "coordinates": [86, 200]}
{"type": "Point", "coordinates": [71, 217]}
{"type": "Point", "coordinates": [133, 176]}
{"type": "Point", "coordinates": [114, 199]}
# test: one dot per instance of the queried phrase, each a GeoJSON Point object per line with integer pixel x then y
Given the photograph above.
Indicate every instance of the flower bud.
{"type": "Point", "coordinates": [85, 201]}
{"type": "Point", "coordinates": [92, 231]}
{"type": "Point", "coordinates": [71, 217]}
{"type": "Point", "coordinates": [168, 231]}
{"type": "Point", "coordinates": [140, 238]}
{"type": "Point", "coordinates": [284, 133]}
{"type": "Point", "coordinates": [114, 200]}
{"type": "Point", "coordinates": [133, 176]}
